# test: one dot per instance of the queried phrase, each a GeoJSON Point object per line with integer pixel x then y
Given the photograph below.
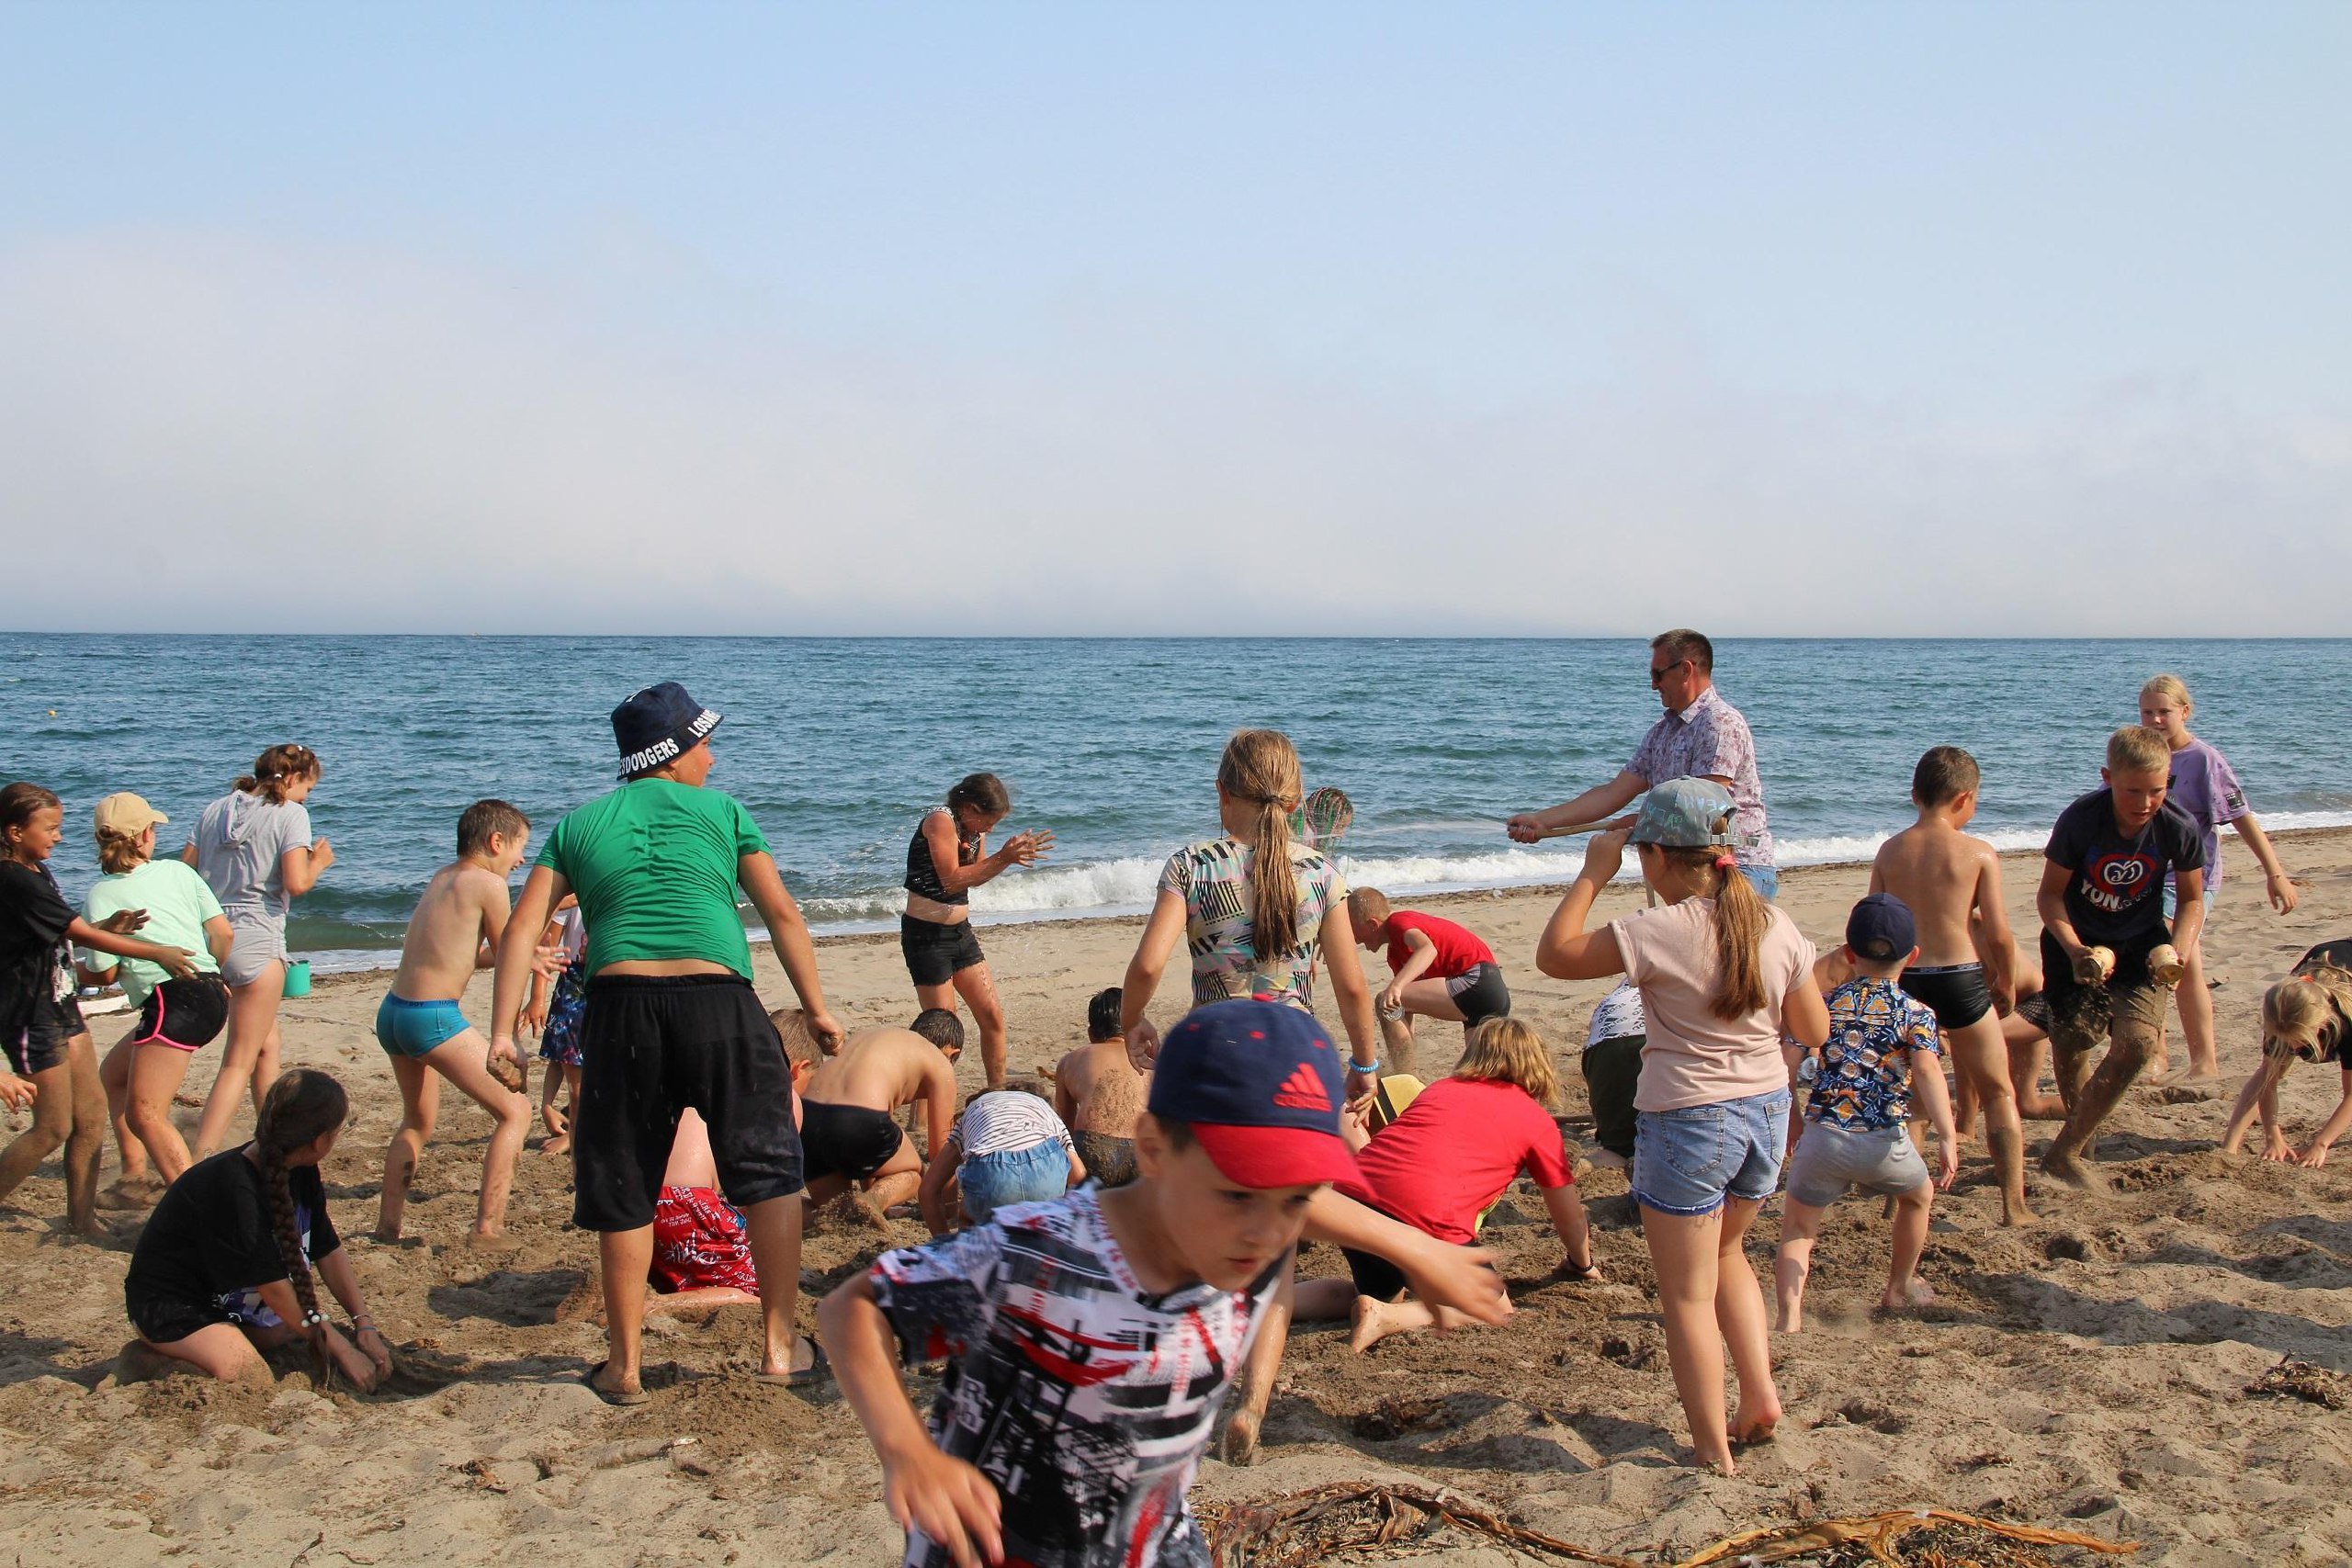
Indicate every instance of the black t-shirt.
{"type": "Point", "coordinates": [2116, 896]}
{"type": "Point", "coordinates": [211, 1233]}
{"type": "Point", "coordinates": [35, 959]}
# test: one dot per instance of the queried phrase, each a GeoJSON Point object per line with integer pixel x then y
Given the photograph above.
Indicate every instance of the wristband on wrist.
{"type": "Point", "coordinates": [1367, 1067]}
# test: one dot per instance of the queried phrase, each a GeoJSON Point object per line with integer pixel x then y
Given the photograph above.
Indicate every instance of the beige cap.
{"type": "Point", "coordinates": [126, 813]}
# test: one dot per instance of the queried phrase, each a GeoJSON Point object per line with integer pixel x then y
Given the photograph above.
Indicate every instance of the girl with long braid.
{"type": "Point", "coordinates": [228, 1265]}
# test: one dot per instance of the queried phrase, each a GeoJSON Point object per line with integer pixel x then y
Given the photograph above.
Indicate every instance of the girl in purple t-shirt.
{"type": "Point", "coordinates": [2206, 787]}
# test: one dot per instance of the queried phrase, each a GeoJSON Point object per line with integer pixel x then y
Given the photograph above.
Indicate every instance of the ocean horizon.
{"type": "Point", "coordinates": [838, 744]}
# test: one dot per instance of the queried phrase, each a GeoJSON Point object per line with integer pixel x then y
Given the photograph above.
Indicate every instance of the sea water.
{"type": "Point", "coordinates": [836, 746]}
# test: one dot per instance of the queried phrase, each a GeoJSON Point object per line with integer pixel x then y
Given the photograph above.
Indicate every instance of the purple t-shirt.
{"type": "Point", "coordinates": [2206, 789]}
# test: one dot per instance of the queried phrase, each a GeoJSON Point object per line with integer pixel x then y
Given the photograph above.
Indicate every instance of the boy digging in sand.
{"type": "Point", "coordinates": [847, 1134]}
{"type": "Point", "coordinates": [1951, 884]}
{"type": "Point", "coordinates": [1854, 1132]}
{"type": "Point", "coordinates": [1098, 1092]}
{"type": "Point", "coordinates": [2108, 962]}
{"type": "Point", "coordinates": [455, 932]}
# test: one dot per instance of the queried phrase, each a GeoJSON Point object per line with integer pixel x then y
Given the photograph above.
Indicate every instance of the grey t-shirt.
{"type": "Point", "coordinates": [239, 840]}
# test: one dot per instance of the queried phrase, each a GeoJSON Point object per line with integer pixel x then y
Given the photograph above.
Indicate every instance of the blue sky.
{"type": "Point", "coordinates": [1780, 319]}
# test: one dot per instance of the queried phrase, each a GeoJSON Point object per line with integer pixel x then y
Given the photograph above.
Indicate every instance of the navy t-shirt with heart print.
{"type": "Point", "coordinates": [2115, 896]}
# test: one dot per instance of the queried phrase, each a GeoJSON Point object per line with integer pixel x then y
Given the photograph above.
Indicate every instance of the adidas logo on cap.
{"type": "Point", "coordinates": [1303, 1090]}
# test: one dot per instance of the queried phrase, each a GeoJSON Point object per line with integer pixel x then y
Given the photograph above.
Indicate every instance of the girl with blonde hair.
{"type": "Point", "coordinates": [1723, 976]}
{"type": "Point", "coordinates": [1443, 1163]}
{"type": "Point", "coordinates": [2307, 1016]}
{"type": "Point", "coordinates": [2204, 786]}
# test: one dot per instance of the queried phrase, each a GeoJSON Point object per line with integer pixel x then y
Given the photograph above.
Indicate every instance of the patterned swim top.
{"type": "Point", "coordinates": [922, 872]}
{"type": "Point", "coordinates": [1213, 878]}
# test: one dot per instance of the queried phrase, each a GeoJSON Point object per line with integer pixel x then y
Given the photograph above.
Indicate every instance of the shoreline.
{"type": "Point", "coordinates": [1460, 897]}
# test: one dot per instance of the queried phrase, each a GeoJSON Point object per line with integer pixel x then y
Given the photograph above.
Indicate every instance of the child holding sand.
{"type": "Point", "coordinates": [423, 1032]}
{"type": "Point", "coordinates": [176, 1018]}
{"type": "Point", "coordinates": [2106, 957]}
{"type": "Point", "coordinates": [1723, 976]}
{"type": "Point", "coordinates": [225, 1266]}
{"type": "Point", "coordinates": [1951, 883]}
{"type": "Point", "coordinates": [1855, 1132]}
{"type": "Point", "coordinates": [2205, 787]}
{"type": "Point", "coordinates": [556, 1009]}
{"type": "Point", "coordinates": [1446, 1160]}
{"type": "Point", "coordinates": [1090, 1341]}
{"type": "Point", "coordinates": [51, 1063]}
{"type": "Point", "coordinates": [1098, 1093]}
{"type": "Point", "coordinates": [2307, 1016]}
{"type": "Point", "coordinates": [1437, 969]}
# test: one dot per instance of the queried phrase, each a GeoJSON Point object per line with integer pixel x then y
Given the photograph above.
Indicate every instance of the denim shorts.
{"type": "Point", "coordinates": [1765, 879]}
{"type": "Point", "coordinates": [2172, 901]}
{"type": "Point", "coordinates": [1012, 1176]}
{"type": "Point", "coordinates": [1688, 1161]}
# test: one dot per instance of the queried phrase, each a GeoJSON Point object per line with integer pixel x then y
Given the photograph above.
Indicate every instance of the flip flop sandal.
{"type": "Point", "coordinates": [817, 1371]}
{"type": "Point", "coordinates": [1584, 1273]}
{"type": "Point", "coordinates": [613, 1397]}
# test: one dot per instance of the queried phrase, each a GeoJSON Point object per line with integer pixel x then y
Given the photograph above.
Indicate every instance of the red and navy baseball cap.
{"type": "Point", "coordinates": [1260, 1085]}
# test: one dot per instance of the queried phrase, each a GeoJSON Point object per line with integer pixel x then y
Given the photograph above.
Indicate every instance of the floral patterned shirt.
{"type": "Point", "coordinates": [1865, 1080]}
{"type": "Point", "coordinates": [1710, 740]}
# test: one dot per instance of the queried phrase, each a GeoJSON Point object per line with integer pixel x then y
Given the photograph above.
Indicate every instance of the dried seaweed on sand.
{"type": "Point", "coordinates": [1317, 1524]}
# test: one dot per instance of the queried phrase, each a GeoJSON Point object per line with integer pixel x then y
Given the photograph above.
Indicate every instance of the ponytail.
{"type": "Point", "coordinates": [275, 769]}
{"type": "Point", "coordinates": [299, 1107]}
{"type": "Point", "coordinates": [1742, 917]}
{"type": "Point", "coordinates": [1260, 767]}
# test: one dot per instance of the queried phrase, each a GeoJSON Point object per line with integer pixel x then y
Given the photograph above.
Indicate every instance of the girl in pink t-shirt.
{"type": "Point", "coordinates": [1442, 1164]}
{"type": "Point", "coordinates": [1722, 974]}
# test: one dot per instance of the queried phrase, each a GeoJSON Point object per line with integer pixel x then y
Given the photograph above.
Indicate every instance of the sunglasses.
{"type": "Point", "coordinates": [1659, 672]}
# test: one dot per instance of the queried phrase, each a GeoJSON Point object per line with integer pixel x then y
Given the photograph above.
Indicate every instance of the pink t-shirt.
{"type": "Point", "coordinates": [1692, 1057]}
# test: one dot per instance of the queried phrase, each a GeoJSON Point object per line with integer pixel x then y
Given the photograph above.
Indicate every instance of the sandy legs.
{"type": "Point", "coordinates": [977, 987]}
{"type": "Point", "coordinates": [1258, 1373]}
{"type": "Point", "coordinates": [140, 1081]}
{"type": "Point", "coordinates": [566, 1080]}
{"type": "Point", "coordinates": [69, 1110]}
{"type": "Point", "coordinates": [249, 1059]}
{"type": "Point", "coordinates": [1710, 1300]}
{"type": "Point", "coordinates": [626, 1258]}
{"type": "Point", "coordinates": [462, 1060]}
{"type": "Point", "coordinates": [2196, 1004]}
{"type": "Point", "coordinates": [1983, 1060]}
{"type": "Point", "coordinates": [2091, 1096]}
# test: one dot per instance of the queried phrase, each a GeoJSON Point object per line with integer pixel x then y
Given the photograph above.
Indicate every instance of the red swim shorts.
{"type": "Point", "coordinates": [699, 1243]}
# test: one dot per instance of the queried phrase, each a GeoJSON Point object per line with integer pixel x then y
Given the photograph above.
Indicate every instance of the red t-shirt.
{"type": "Point", "coordinates": [1455, 1149]}
{"type": "Point", "coordinates": [1457, 948]}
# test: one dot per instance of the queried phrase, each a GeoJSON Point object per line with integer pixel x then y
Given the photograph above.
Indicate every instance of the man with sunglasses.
{"type": "Point", "coordinates": [1701, 736]}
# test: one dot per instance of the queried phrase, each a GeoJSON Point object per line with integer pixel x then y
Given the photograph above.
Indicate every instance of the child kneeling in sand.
{"type": "Point", "coordinates": [1446, 1160]}
{"type": "Point", "coordinates": [1097, 1094]}
{"type": "Point", "coordinates": [224, 1266]}
{"type": "Point", "coordinates": [1855, 1132]}
{"type": "Point", "coordinates": [1090, 1341]}
{"type": "Point", "coordinates": [1007, 1148]}
{"type": "Point", "coordinates": [455, 932]}
{"type": "Point", "coordinates": [2306, 1016]}
{"type": "Point", "coordinates": [848, 1135]}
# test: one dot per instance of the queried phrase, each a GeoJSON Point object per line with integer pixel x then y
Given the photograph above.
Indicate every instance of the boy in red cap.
{"type": "Point", "coordinates": [1090, 1340]}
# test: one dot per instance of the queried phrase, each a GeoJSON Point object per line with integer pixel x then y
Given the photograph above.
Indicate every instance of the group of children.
{"type": "Point", "coordinates": [1111, 1246]}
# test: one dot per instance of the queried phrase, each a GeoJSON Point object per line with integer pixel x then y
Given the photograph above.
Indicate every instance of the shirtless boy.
{"type": "Point", "coordinates": [1951, 884]}
{"type": "Point", "coordinates": [1097, 1093]}
{"type": "Point", "coordinates": [453, 932]}
{"type": "Point", "coordinates": [847, 1132]}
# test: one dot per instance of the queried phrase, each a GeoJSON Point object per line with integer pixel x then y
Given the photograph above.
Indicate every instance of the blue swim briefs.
{"type": "Point", "coordinates": [404, 1028]}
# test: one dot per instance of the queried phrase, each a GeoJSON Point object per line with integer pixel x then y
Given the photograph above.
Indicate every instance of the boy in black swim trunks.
{"type": "Point", "coordinates": [848, 1135]}
{"type": "Point", "coordinates": [1951, 884]}
{"type": "Point", "coordinates": [2104, 940]}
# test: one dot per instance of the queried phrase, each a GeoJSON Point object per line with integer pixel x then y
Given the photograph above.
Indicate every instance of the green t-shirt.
{"type": "Point", "coordinates": [654, 865]}
{"type": "Point", "coordinates": [177, 902]}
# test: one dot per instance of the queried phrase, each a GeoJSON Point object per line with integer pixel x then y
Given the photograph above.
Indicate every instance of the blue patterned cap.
{"type": "Point", "coordinates": [1686, 813]}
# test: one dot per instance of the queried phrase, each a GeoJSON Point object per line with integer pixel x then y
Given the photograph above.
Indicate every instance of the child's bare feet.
{"type": "Point", "coordinates": [385, 1235]}
{"type": "Point", "coordinates": [491, 1241]}
{"type": "Point", "coordinates": [1240, 1445]}
{"type": "Point", "coordinates": [1609, 1159]}
{"type": "Point", "coordinates": [1754, 1427]}
{"type": "Point", "coordinates": [131, 1192]}
{"type": "Point", "coordinates": [1903, 1298]}
{"type": "Point", "coordinates": [2070, 1169]}
{"type": "Point", "coordinates": [1373, 1323]}
{"type": "Point", "coordinates": [560, 1144]}
{"type": "Point", "coordinates": [2015, 1212]}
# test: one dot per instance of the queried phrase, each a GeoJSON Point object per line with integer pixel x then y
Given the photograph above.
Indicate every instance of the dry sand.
{"type": "Point", "coordinates": [2090, 1372]}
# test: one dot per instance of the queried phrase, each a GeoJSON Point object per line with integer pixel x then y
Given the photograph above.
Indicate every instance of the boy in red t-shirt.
{"type": "Point", "coordinates": [1446, 1160]}
{"type": "Point", "coordinates": [1440, 970]}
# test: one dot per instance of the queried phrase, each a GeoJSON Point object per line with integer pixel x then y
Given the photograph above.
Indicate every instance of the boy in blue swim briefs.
{"type": "Point", "coordinates": [453, 932]}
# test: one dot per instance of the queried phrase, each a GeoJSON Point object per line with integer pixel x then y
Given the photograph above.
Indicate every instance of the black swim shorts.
{"type": "Point", "coordinates": [653, 1047]}
{"type": "Point", "coordinates": [846, 1140]}
{"type": "Point", "coordinates": [1955, 992]}
{"type": "Point", "coordinates": [1109, 1161]}
{"type": "Point", "coordinates": [1612, 1071]}
{"type": "Point", "coordinates": [1480, 993]}
{"type": "Point", "coordinates": [188, 1014]}
{"type": "Point", "coordinates": [1375, 1276]}
{"type": "Point", "coordinates": [935, 952]}
{"type": "Point", "coordinates": [48, 1028]}
{"type": "Point", "coordinates": [166, 1320]}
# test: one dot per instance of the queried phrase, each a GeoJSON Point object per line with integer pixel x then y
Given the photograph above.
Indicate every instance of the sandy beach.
{"type": "Point", "coordinates": [2089, 1373]}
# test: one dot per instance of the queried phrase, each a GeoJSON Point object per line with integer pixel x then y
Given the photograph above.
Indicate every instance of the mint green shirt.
{"type": "Point", "coordinates": [654, 865]}
{"type": "Point", "coordinates": [177, 902]}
